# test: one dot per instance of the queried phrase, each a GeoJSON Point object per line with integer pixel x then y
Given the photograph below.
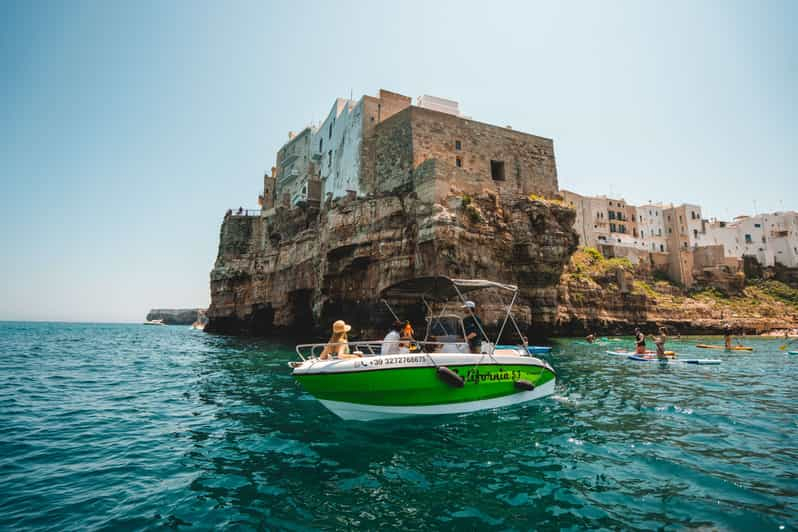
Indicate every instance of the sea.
{"type": "Point", "coordinates": [133, 427]}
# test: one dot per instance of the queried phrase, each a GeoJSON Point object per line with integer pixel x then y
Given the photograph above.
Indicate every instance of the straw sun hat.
{"type": "Point", "coordinates": [340, 326]}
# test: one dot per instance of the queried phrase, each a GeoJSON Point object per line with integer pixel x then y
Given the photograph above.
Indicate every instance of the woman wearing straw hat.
{"type": "Point", "coordinates": [338, 344]}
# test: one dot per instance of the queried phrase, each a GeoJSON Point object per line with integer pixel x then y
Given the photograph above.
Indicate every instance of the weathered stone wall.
{"type": "Point", "coordinates": [529, 163]}
{"type": "Point", "coordinates": [414, 137]}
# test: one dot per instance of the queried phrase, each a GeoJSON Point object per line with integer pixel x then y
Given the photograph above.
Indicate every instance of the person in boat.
{"type": "Point", "coordinates": [473, 328]}
{"type": "Point", "coordinates": [590, 338]}
{"type": "Point", "coordinates": [338, 344]}
{"type": "Point", "coordinates": [640, 342]}
{"type": "Point", "coordinates": [407, 344]}
{"type": "Point", "coordinates": [727, 336]}
{"type": "Point", "coordinates": [390, 344]}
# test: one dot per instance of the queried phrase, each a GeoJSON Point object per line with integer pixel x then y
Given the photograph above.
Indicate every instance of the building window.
{"type": "Point", "coordinates": [329, 134]}
{"type": "Point", "coordinates": [748, 239]}
{"type": "Point", "coordinates": [757, 225]}
{"type": "Point", "coordinates": [695, 233]}
{"type": "Point", "coordinates": [612, 228]}
{"type": "Point", "coordinates": [497, 170]}
{"type": "Point", "coordinates": [329, 159]}
{"type": "Point", "coordinates": [662, 248]}
{"type": "Point", "coordinates": [457, 145]}
{"type": "Point", "coordinates": [458, 161]}
{"type": "Point", "coordinates": [321, 145]}
{"type": "Point", "coordinates": [612, 215]}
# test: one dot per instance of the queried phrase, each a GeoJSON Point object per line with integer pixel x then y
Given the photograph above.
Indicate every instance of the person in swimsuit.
{"type": "Point", "coordinates": [640, 341]}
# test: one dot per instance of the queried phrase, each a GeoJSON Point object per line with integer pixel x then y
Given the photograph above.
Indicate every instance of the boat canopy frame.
{"type": "Point", "coordinates": [441, 289]}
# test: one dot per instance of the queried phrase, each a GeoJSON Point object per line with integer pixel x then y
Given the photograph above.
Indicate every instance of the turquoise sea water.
{"type": "Point", "coordinates": [136, 427]}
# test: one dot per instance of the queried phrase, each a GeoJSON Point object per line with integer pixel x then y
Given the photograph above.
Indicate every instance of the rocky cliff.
{"type": "Point", "coordinates": [183, 316]}
{"type": "Point", "coordinates": [296, 270]}
{"type": "Point", "coordinates": [610, 296]}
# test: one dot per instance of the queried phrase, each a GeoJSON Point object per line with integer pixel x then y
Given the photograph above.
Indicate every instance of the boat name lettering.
{"type": "Point", "coordinates": [475, 376]}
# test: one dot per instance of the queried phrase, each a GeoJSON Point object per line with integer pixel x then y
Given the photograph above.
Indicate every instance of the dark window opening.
{"type": "Point", "coordinates": [458, 161]}
{"type": "Point", "coordinates": [497, 170]}
{"type": "Point", "coordinates": [329, 134]}
{"type": "Point", "coordinates": [457, 145]}
{"type": "Point", "coordinates": [321, 145]}
{"type": "Point", "coordinates": [329, 159]}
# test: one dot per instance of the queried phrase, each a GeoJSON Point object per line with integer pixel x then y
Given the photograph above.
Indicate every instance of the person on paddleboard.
{"type": "Point", "coordinates": [659, 341]}
{"type": "Point", "coordinates": [727, 337]}
{"type": "Point", "coordinates": [640, 341]}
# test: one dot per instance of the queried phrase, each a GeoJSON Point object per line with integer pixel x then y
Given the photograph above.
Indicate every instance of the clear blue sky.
{"type": "Point", "coordinates": [127, 129]}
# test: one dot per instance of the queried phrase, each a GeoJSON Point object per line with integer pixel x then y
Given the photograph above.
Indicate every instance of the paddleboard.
{"type": "Point", "coordinates": [627, 353]}
{"type": "Point", "coordinates": [699, 361]}
{"type": "Point", "coordinates": [792, 352]}
{"type": "Point", "coordinates": [732, 348]}
{"type": "Point", "coordinates": [538, 349]}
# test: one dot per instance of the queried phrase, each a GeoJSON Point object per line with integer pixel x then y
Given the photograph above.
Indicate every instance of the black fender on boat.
{"type": "Point", "coordinates": [524, 385]}
{"type": "Point", "coordinates": [450, 377]}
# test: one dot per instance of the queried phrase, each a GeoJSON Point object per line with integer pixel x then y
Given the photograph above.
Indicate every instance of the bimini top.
{"type": "Point", "coordinates": [440, 288]}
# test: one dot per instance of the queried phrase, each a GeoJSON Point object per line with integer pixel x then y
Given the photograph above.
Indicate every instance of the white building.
{"type": "Point", "coordinates": [336, 146]}
{"type": "Point", "coordinates": [770, 238]}
{"type": "Point", "coordinates": [651, 228]}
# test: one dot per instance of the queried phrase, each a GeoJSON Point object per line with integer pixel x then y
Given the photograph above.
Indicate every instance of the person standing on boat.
{"type": "Point", "coordinates": [390, 344]}
{"type": "Point", "coordinates": [640, 340]}
{"type": "Point", "coordinates": [473, 328]}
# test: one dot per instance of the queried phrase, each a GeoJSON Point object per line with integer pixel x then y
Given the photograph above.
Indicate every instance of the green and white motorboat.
{"type": "Point", "coordinates": [438, 375]}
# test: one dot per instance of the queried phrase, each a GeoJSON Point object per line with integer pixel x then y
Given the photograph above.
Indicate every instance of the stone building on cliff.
{"type": "Point", "coordinates": [382, 191]}
{"type": "Point", "coordinates": [373, 145]}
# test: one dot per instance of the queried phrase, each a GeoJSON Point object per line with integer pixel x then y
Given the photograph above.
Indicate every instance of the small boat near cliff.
{"type": "Point", "coordinates": [438, 375]}
{"type": "Point", "coordinates": [154, 322]}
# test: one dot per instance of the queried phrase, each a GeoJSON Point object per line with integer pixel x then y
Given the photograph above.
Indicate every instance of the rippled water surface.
{"type": "Point", "coordinates": [128, 426]}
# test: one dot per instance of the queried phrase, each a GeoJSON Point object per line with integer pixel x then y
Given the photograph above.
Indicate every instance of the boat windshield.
{"type": "Point", "coordinates": [445, 329]}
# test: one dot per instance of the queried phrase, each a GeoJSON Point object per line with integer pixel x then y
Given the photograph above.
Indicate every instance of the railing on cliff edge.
{"type": "Point", "coordinates": [242, 212]}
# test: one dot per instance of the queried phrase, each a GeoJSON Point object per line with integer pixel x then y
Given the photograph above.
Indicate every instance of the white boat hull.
{"type": "Point", "coordinates": [361, 412]}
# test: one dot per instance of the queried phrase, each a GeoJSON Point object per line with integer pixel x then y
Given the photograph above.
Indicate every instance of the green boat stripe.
{"type": "Point", "coordinates": [395, 368]}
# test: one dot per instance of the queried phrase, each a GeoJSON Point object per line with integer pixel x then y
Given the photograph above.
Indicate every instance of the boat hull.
{"type": "Point", "coordinates": [409, 385]}
{"type": "Point", "coordinates": [360, 412]}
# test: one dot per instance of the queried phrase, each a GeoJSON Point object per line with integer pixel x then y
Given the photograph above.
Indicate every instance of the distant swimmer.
{"type": "Point", "coordinates": [590, 338]}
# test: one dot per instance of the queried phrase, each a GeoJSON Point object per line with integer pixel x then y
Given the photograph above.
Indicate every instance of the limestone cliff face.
{"type": "Point", "coordinates": [607, 297]}
{"type": "Point", "coordinates": [298, 270]}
